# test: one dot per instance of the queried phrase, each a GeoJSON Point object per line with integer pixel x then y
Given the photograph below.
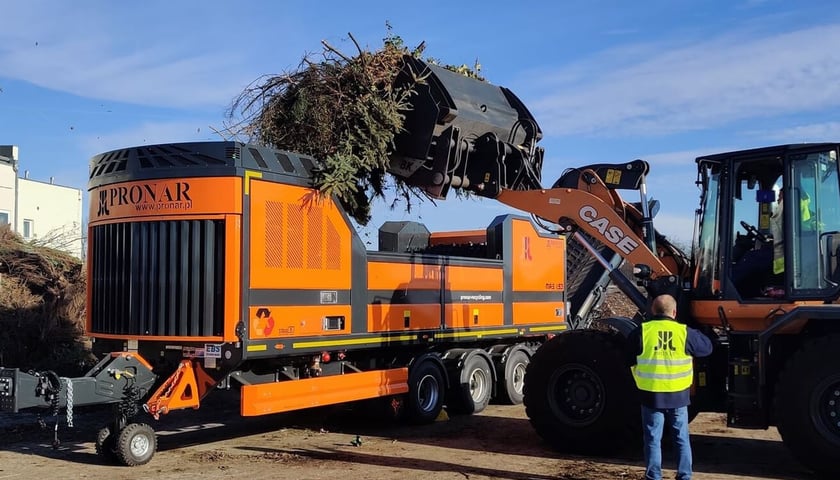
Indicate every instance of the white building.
{"type": "Point", "coordinates": [39, 211]}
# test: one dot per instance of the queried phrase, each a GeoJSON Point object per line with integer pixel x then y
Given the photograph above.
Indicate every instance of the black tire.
{"type": "Point", "coordinates": [474, 389]}
{"type": "Point", "coordinates": [580, 395]}
{"type": "Point", "coordinates": [105, 443]}
{"type": "Point", "coordinates": [511, 384]}
{"type": "Point", "coordinates": [807, 405]}
{"type": "Point", "coordinates": [136, 444]}
{"type": "Point", "coordinates": [426, 393]}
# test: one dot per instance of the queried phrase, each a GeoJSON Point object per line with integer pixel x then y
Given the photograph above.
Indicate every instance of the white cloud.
{"type": "Point", "coordinates": [135, 54]}
{"type": "Point", "coordinates": [708, 84]}
{"type": "Point", "coordinates": [815, 132]}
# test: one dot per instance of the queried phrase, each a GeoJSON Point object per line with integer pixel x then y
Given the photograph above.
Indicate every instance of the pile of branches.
{"type": "Point", "coordinates": [42, 307]}
{"type": "Point", "coordinates": [342, 110]}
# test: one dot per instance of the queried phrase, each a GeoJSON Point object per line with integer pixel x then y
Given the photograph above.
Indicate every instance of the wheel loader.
{"type": "Point", "coordinates": [218, 266]}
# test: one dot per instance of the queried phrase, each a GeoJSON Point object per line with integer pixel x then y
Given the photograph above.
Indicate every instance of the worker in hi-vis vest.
{"type": "Point", "coordinates": [777, 230]}
{"type": "Point", "coordinates": [660, 351]}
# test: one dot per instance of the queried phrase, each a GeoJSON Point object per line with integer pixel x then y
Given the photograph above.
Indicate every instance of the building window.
{"type": "Point", "coordinates": [28, 227]}
{"type": "Point", "coordinates": [4, 218]}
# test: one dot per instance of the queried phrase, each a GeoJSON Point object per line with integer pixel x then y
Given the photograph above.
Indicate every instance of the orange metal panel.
{"type": "Point", "coordinates": [314, 392]}
{"type": "Point", "coordinates": [391, 317]}
{"type": "Point", "coordinates": [538, 313]}
{"type": "Point", "coordinates": [746, 317]}
{"type": "Point", "coordinates": [455, 238]}
{"type": "Point", "coordinates": [298, 239]}
{"type": "Point", "coordinates": [168, 196]}
{"type": "Point", "coordinates": [391, 276]}
{"type": "Point", "coordinates": [487, 279]}
{"type": "Point", "coordinates": [471, 315]}
{"type": "Point", "coordinates": [285, 321]}
{"type": "Point", "coordinates": [537, 260]}
{"type": "Point", "coordinates": [233, 274]}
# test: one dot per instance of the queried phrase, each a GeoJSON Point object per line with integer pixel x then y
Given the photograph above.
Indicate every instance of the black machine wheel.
{"type": "Point", "coordinates": [425, 393]}
{"type": "Point", "coordinates": [136, 444]}
{"type": "Point", "coordinates": [808, 405]}
{"type": "Point", "coordinates": [105, 443]}
{"type": "Point", "coordinates": [475, 386]}
{"type": "Point", "coordinates": [580, 395]}
{"type": "Point", "coordinates": [513, 381]}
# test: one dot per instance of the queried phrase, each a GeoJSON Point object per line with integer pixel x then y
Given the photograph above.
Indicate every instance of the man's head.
{"type": "Point", "coordinates": [664, 305]}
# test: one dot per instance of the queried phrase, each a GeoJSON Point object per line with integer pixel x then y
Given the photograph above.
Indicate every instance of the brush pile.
{"type": "Point", "coordinates": [42, 307]}
{"type": "Point", "coordinates": [344, 110]}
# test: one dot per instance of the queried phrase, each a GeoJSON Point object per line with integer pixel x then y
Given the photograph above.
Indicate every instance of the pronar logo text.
{"type": "Point", "coordinates": [146, 197]}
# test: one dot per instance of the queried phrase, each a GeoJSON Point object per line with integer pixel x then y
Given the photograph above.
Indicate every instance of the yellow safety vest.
{"type": "Point", "coordinates": [778, 232]}
{"type": "Point", "coordinates": [663, 366]}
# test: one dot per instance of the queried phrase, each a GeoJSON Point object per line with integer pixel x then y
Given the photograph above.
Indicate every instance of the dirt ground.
{"type": "Point", "coordinates": [499, 443]}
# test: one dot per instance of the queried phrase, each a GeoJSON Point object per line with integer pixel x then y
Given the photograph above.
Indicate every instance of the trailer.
{"type": "Point", "coordinates": [218, 265]}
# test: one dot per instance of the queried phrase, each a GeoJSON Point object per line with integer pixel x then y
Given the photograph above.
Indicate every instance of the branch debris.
{"type": "Point", "coordinates": [342, 110]}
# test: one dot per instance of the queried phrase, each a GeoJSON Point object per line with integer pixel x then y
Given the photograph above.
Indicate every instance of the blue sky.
{"type": "Point", "coordinates": [608, 81]}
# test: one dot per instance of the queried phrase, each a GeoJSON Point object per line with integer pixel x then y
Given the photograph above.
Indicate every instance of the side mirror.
{"type": "Point", "coordinates": [830, 254]}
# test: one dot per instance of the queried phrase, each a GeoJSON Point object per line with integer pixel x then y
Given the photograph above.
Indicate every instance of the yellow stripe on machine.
{"type": "Point", "coordinates": [549, 328]}
{"type": "Point", "coordinates": [477, 334]}
{"type": "Point", "coordinates": [257, 348]}
{"type": "Point", "coordinates": [249, 174]}
{"type": "Point", "coordinates": [354, 341]}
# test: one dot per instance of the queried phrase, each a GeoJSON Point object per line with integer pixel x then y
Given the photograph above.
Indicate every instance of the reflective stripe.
{"type": "Point", "coordinates": [664, 362]}
{"type": "Point", "coordinates": [664, 376]}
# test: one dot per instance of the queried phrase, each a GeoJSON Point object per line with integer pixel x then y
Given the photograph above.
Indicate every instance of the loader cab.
{"type": "Point", "coordinates": [769, 225]}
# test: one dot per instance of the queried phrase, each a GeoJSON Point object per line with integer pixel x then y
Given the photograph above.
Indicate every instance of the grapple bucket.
{"type": "Point", "coordinates": [465, 133]}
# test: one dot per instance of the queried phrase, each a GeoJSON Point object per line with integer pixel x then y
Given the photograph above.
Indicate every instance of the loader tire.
{"type": "Point", "coordinates": [513, 381]}
{"type": "Point", "coordinates": [136, 444]}
{"type": "Point", "coordinates": [580, 396]}
{"type": "Point", "coordinates": [474, 389]}
{"type": "Point", "coordinates": [426, 393]}
{"type": "Point", "coordinates": [807, 405]}
{"type": "Point", "coordinates": [105, 443]}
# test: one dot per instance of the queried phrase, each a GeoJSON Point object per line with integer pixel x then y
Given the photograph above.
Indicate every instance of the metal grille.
{"type": "Point", "coordinates": [274, 234]}
{"type": "Point", "coordinates": [333, 247]}
{"type": "Point", "coordinates": [158, 278]}
{"type": "Point", "coordinates": [315, 237]}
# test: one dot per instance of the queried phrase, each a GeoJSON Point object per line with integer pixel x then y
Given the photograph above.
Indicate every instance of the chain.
{"type": "Point", "coordinates": [69, 384]}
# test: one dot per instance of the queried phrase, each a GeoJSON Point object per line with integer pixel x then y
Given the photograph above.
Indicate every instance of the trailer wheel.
{"type": "Point", "coordinates": [425, 393]}
{"type": "Point", "coordinates": [513, 381]}
{"type": "Point", "coordinates": [808, 405]}
{"type": "Point", "coordinates": [475, 385]}
{"type": "Point", "coordinates": [579, 393]}
{"type": "Point", "coordinates": [105, 443]}
{"type": "Point", "coordinates": [136, 444]}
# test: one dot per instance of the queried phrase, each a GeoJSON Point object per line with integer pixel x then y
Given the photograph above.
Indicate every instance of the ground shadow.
{"type": "Point", "coordinates": [467, 471]}
{"type": "Point", "coordinates": [218, 420]}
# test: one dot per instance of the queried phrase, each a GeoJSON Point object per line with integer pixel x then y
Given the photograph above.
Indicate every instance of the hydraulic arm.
{"type": "Point", "coordinates": [481, 138]}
